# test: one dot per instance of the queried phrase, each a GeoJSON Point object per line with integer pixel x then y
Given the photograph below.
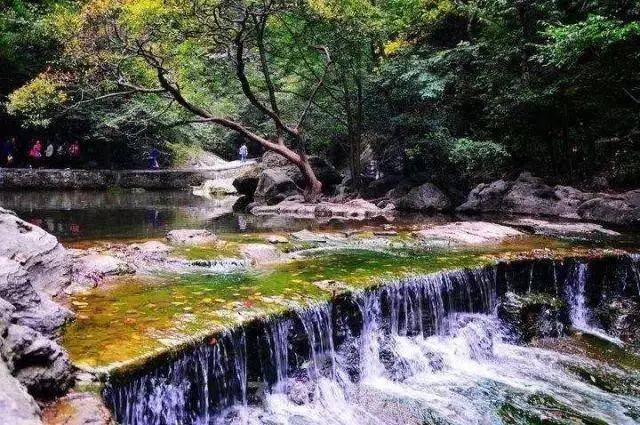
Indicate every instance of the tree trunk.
{"type": "Point", "coordinates": [300, 160]}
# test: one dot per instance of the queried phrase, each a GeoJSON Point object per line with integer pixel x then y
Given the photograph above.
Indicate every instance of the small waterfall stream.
{"type": "Point", "coordinates": [427, 349]}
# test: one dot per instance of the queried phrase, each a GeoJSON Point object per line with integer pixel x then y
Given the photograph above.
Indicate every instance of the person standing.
{"type": "Point", "coordinates": [154, 155]}
{"type": "Point", "coordinates": [74, 153]}
{"type": "Point", "coordinates": [35, 154]}
{"type": "Point", "coordinates": [8, 151]}
{"type": "Point", "coordinates": [244, 152]}
{"type": "Point", "coordinates": [48, 154]}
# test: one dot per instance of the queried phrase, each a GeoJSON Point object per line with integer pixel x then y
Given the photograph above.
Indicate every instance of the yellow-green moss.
{"type": "Point", "coordinates": [139, 315]}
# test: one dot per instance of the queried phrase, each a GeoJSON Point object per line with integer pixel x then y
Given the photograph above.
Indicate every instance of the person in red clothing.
{"type": "Point", "coordinates": [74, 153]}
{"type": "Point", "coordinates": [35, 153]}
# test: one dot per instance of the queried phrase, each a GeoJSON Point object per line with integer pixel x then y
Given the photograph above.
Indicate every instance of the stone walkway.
{"type": "Point", "coordinates": [28, 178]}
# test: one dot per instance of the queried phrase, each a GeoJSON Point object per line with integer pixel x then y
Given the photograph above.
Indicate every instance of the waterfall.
{"type": "Point", "coordinates": [575, 288]}
{"type": "Point", "coordinates": [431, 342]}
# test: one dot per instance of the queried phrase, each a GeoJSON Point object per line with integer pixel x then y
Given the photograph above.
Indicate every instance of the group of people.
{"type": "Point", "coordinates": [38, 154]}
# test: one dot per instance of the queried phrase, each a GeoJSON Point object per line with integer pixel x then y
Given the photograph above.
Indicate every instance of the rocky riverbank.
{"type": "Point", "coordinates": [35, 272]}
{"type": "Point", "coordinates": [274, 188]}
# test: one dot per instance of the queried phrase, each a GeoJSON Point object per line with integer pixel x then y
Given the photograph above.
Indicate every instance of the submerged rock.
{"type": "Point", "coordinates": [467, 233]}
{"type": "Point", "coordinates": [276, 239]}
{"type": "Point", "coordinates": [260, 253]}
{"type": "Point", "coordinates": [78, 409]}
{"type": "Point", "coordinates": [38, 252]}
{"type": "Point", "coordinates": [191, 237]}
{"type": "Point", "coordinates": [535, 315]}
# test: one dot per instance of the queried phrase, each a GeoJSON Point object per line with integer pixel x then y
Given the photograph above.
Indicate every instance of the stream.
{"type": "Point", "coordinates": [438, 336]}
{"type": "Point", "coordinates": [421, 350]}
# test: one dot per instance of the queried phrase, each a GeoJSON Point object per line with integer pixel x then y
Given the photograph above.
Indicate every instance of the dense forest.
{"type": "Point", "coordinates": [449, 91]}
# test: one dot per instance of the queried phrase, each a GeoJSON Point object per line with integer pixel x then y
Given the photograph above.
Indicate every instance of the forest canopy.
{"type": "Point", "coordinates": [452, 91]}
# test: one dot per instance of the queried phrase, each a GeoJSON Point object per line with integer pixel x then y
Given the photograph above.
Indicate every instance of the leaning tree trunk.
{"type": "Point", "coordinates": [301, 161]}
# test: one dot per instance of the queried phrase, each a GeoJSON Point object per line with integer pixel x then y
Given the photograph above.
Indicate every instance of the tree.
{"type": "Point", "coordinates": [191, 54]}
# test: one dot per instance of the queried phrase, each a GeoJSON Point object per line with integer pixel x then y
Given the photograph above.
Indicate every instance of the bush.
{"type": "Point", "coordinates": [478, 160]}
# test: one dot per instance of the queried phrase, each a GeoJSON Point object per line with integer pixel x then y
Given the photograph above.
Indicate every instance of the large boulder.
{"type": "Point", "coordinates": [38, 363]}
{"type": "Point", "coordinates": [274, 186]}
{"type": "Point", "coordinates": [530, 195]}
{"type": "Point", "coordinates": [17, 407]}
{"type": "Point", "coordinates": [43, 257]}
{"type": "Point", "coordinates": [616, 210]}
{"type": "Point", "coordinates": [31, 308]}
{"type": "Point", "coordinates": [246, 183]}
{"type": "Point", "coordinates": [325, 172]}
{"type": "Point", "coordinates": [426, 197]}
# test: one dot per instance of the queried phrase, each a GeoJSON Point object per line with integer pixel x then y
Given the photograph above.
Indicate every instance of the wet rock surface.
{"type": "Point", "coordinates": [531, 195]}
{"type": "Point", "coordinates": [78, 409]}
{"type": "Point", "coordinates": [356, 209]}
{"type": "Point", "coordinates": [534, 316]}
{"type": "Point", "coordinates": [90, 269]}
{"type": "Point", "coordinates": [260, 253]}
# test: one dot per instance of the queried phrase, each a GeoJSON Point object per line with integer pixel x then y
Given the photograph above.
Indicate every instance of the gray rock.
{"type": "Point", "coordinates": [17, 407]}
{"type": "Point", "coordinates": [273, 160]}
{"type": "Point", "coordinates": [466, 233]}
{"type": "Point", "coordinates": [40, 364]}
{"type": "Point", "coordinates": [45, 260]}
{"type": "Point", "coordinates": [259, 253]}
{"type": "Point", "coordinates": [530, 195]}
{"type": "Point", "coordinates": [274, 186]}
{"type": "Point", "coordinates": [32, 309]}
{"type": "Point", "coordinates": [89, 270]}
{"type": "Point", "coordinates": [426, 197]}
{"type": "Point", "coordinates": [324, 171]}
{"type": "Point", "coordinates": [6, 311]}
{"type": "Point", "coordinates": [609, 210]}
{"type": "Point", "coordinates": [192, 237]}
{"type": "Point", "coordinates": [246, 183]}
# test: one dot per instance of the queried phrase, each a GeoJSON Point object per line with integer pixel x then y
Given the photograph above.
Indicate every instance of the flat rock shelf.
{"type": "Point", "coordinates": [347, 357]}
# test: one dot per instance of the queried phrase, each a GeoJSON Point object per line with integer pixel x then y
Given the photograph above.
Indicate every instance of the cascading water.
{"type": "Point", "coordinates": [427, 349]}
{"type": "Point", "coordinates": [575, 288]}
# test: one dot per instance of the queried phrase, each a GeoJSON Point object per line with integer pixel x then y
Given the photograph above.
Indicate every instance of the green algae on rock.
{"type": "Point", "coordinates": [138, 316]}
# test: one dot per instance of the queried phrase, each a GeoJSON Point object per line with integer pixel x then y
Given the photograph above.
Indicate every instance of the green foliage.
{"type": "Point", "coordinates": [479, 160]}
{"type": "Point", "coordinates": [36, 101]}
{"type": "Point", "coordinates": [595, 35]}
